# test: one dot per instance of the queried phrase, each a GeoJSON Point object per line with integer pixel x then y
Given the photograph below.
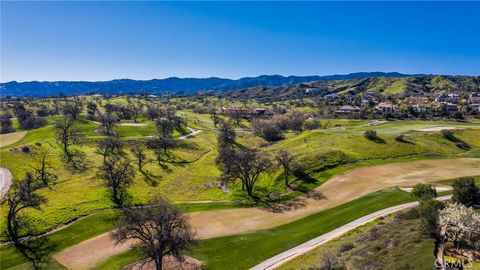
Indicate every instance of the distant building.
{"type": "Point", "coordinates": [386, 107]}
{"type": "Point", "coordinates": [450, 98]}
{"type": "Point", "coordinates": [243, 112]}
{"type": "Point", "coordinates": [347, 109]}
{"type": "Point", "coordinates": [332, 97]}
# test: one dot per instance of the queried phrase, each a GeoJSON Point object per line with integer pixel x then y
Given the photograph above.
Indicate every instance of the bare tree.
{"type": "Point", "coordinates": [110, 146]}
{"type": "Point", "coordinates": [138, 150]}
{"type": "Point", "coordinates": [159, 230]}
{"type": "Point", "coordinates": [245, 165]}
{"type": "Point", "coordinates": [23, 197]}
{"type": "Point", "coordinates": [153, 112]}
{"type": "Point", "coordinates": [286, 160]}
{"type": "Point", "coordinates": [227, 135]}
{"type": "Point", "coordinates": [165, 127]}
{"type": "Point", "coordinates": [108, 123]}
{"type": "Point", "coordinates": [43, 166]}
{"type": "Point", "coordinates": [73, 107]}
{"type": "Point", "coordinates": [67, 134]}
{"type": "Point", "coordinates": [118, 175]}
{"type": "Point", "coordinates": [215, 118]}
{"type": "Point", "coordinates": [161, 145]}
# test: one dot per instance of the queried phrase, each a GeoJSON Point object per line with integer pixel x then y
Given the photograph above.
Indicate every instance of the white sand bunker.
{"type": "Point", "coordinates": [438, 188]}
{"type": "Point", "coordinates": [435, 128]}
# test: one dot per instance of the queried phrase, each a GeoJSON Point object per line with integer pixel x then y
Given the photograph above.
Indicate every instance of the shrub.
{"type": "Point", "coordinates": [6, 125]}
{"type": "Point", "coordinates": [407, 215]}
{"type": "Point", "coordinates": [428, 212]}
{"type": "Point", "coordinates": [346, 247]}
{"type": "Point", "coordinates": [310, 124]}
{"type": "Point", "coordinates": [370, 134]}
{"type": "Point", "coordinates": [424, 192]}
{"type": "Point", "coordinates": [465, 191]}
{"type": "Point", "coordinates": [268, 130]}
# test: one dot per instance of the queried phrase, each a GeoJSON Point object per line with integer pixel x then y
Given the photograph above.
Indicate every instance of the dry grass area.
{"type": "Point", "coordinates": [9, 138]}
{"type": "Point", "coordinates": [340, 189]}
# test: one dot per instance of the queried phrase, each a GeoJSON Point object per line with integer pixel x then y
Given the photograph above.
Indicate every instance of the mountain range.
{"type": "Point", "coordinates": [172, 85]}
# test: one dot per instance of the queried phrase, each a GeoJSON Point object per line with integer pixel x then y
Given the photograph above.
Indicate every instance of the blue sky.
{"type": "Point", "coordinates": [50, 41]}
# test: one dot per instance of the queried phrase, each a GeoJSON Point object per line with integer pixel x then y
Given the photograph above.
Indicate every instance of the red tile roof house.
{"type": "Point", "coordinates": [386, 107]}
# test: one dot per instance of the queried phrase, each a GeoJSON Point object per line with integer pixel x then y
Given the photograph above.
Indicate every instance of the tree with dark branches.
{"type": "Point", "coordinates": [287, 161]}
{"type": "Point", "coordinates": [243, 164]}
{"type": "Point", "coordinates": [108, 123]}
{"type": "Point", "coordinates": [227, 135]}
{"type": "Point", "coordinates": [73, 107]}
{"type": "Point", "coordinates": [159, 230]}
{"type": "Point", "coordinates": [138, 150]}
{"type": "Point", "coordinates": [68, 135]}
{"type": "Point", "coordinates": [109, 146]}
{"type": "Point", "coordinates": [165, 127]}
{"type": "Point", "coordinates": [43, 166]}
{"type": "Point", "coordinates": [118, 175]}
{"type": "Point", "coordinates": [22, 197]}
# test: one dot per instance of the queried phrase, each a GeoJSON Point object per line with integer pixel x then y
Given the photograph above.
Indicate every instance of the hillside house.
{"type": "Point", "coordinates": [332, 97]}
{"type": "Point", "coordinates": [347, 109]}
{"type": "Point", "coordinates": [386, 107]}
{"type": "Point", "coordinates": [449, 98]}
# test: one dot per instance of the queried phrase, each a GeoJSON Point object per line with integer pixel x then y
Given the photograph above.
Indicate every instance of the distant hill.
{"type": "Point", "coordinates": [174, 85]}
{"type": "Point", "coordinates": [406, 85]}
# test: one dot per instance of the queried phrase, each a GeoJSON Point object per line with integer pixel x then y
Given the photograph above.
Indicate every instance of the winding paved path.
{"type": "Point", "coordinates": [342, 188]}
{"type": "Point", "coordinates": [5, 181]}
{"type": "Point", "coordinates": [285, 256]}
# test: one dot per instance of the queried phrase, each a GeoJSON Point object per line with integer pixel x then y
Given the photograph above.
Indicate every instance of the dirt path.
{"type": "Point", "coordinates": [288, 255]}
{"type": "Point", "coordinates": [5, 181]}
{"type": "Point", "coordinates": [345, 187]}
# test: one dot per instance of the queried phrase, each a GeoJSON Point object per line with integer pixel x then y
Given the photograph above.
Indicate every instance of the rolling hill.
{"type": "Point", "coordinates": [174, 85]}
{"type": "Point", "coordinates": [382, 85]}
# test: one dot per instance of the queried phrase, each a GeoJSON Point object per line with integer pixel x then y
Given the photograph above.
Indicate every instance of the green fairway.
{"type": "Point", "coordinates": [244, 251]}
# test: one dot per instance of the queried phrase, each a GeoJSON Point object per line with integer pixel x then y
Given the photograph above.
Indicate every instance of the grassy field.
{"type": "Point", "coordinates": [195, 176]}
{"type": "Point", "coordinates": [247, 250]}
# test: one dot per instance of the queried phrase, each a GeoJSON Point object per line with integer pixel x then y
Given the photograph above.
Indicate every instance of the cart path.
{"type": "Point", "coordinates": [340, 189]}
{"type": "Point", "coordinates": [5, 181]}
{"type": "Point", "coordinates": [292, 253]}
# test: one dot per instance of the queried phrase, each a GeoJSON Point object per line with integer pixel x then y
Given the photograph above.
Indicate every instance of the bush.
{"type": "Point", "coordinates": [370, 134]}
{"type": "Point", "coordinates": [346, 247]}
{"type": "Point", "coordinates": [408, 215]}
{"type": "Point", "coordinates": [6, 125]}
{"type": "Point", "coordinates": [310, 124]}
{"type": "Point", "coordinates": [465, 191]}
{"type": "Point", "coordinates": [268, 130]}
{"type": "Point", "coordinates": [424, 192]}
{"type": "Point", "coordinates": [428, 212]}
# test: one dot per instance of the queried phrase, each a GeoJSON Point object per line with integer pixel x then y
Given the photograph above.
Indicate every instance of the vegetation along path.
{"type": "Point", "coordinates": [283, 257]}
{"type": "Point", "coordinates": [342, 188]}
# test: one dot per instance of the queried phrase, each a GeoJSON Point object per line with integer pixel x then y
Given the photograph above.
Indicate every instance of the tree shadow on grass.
{"type": "Point", "coordinates": [150, 178]}
{"type": "Point", "coordinates": [376, 140]}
